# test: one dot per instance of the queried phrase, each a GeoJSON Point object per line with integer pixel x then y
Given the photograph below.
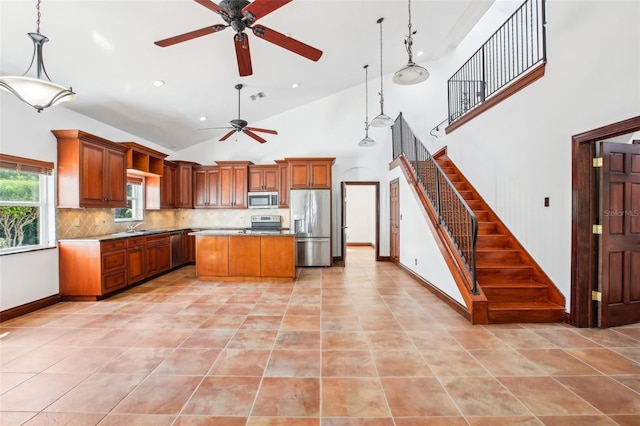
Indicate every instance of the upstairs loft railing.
{"type": "Point", "coordinates": [515, 48]}
{"type": "Point", "coordinates": [455, 216]}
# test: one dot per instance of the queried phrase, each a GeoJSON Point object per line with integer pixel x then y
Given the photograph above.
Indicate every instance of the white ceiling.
{"type": "Point", "coordinates": [105, 51]}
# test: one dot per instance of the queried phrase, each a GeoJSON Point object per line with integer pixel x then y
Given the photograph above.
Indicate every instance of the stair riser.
{"type": "Point", "coordinates": [487, 228]}
{"type": "Point", "coordinates": [498, 256]}
{"type": "Point", "coordinates": [504, 275]}
{"type": "Point", "coordinates": [496, 294]}
{"type": "Point", "coordinates": [524, 316]}
{"type": "Point", "coordinates": [492, 242]}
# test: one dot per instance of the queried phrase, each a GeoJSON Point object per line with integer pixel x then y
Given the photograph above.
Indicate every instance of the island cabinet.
{"type": "Point", "coordinates": [184, 184]}
{"type": "Point", "coordinates": [168, 187]}
{"type": "Point", "coordinates": [233, 183]}
{"type": "Point", "coordinates": [206, 188]}
{"type": "Point", "coordinates": [91, 171]}
{"type": "Point", "coordinates": [90, 269]}
{"type": "Point", "coordinates": [283, 183]}
{"type": "Point", "coordinates": [221, 257]}
{"type": "Point", "coordinates": [263, 178]}
{"type": "Point", "coordinates": [310, 173]}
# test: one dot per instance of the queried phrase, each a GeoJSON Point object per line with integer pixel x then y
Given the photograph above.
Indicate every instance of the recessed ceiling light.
{"type": "Point", "coordinates": [203, 118]}
{"type": "Point", "coordinates": [158, 83]}
{"type": "Point", "coordinates": [295, 85]}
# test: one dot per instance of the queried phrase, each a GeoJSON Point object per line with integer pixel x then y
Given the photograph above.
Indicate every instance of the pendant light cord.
{"type": "Point", "coordinates": [381, 87]}
{"type": "Point", "coordinates": [409, 41]}
{"type": "Point", "coordinates": [38, 21]}
{"type": "Point", "coordinates": [366, 97]}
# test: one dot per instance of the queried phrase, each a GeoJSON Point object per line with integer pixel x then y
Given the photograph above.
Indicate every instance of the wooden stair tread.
{"type": "Point", "coordinates": [512, 284]}
{"type": "Point", "coordinates": [536, 305]}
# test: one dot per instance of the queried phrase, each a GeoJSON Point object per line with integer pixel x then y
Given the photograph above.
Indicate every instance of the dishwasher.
{"type": "Point", "coordinates": [177, 248]}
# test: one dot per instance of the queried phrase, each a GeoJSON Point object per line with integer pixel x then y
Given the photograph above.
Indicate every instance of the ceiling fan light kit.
{"type": "Point", "coordinates": [37, 92]}
{"type": "Point", "coordinates": [411, 73]}
{"type": "Point", "coordinates": [240, 15]}
{"type": "Point", "coordinates": [382, 120]}
{"type": "Point", "coordinates": [366, 141]}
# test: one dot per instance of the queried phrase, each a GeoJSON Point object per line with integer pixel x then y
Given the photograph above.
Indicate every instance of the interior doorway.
{"type": "Point", "coordinates": [360, 219]}
{"type": "Point", "coordinates": [586, 246]}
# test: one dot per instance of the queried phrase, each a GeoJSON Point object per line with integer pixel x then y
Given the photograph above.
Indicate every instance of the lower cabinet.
{"type": "Point", "coordinates": [231, 257]}
{"type": "Point", "coordinates": [91, 269]}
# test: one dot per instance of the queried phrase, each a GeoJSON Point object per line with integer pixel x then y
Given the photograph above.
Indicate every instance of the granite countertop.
{"type": "Point", "coordinates": [242, 232]}
{"type": "Point", "coordinates": [198, 230]}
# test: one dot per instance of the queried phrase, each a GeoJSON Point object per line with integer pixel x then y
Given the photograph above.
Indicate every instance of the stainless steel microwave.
{"type": "Point", "coordinates": [263, 200]}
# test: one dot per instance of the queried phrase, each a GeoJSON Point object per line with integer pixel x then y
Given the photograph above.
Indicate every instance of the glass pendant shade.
{"type": "Point", "coordinates": [38, 92]}
{"type": "Point", "coordinates": [410, 74]}
{"type": "Point", "coordinates": [366, 141]}
{"type": "Point", "coordinates": [382, 120]}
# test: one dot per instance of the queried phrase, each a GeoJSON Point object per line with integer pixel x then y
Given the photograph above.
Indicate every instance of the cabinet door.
{"type": "Point", "coordinates": [256, 179]}
{"type": "Point", "coordinates": [212, 256]}
{"type": "Point", "coordinates": [299, 173]}
{"type": "Point", "coordinates": [226, 186]}
{"type": "Point", "coordinates": [283, 184]}
{"type": "Point", "coordinates": [270, 179]}
{"type": "Point", "coordinates": [136, 263]}
{"type": "Point", "coordinates": [92, 161]}
{"type": "Point", "coordinates": [239, 187]}
{"type": "Point", "coordinates": [278, 257]}
{"type": "Point", "coordinates": [320, 173]}
{"type": "Point", "coordinates": [244, 256]}
{"type": "Point", "coordinates": [184, 187]}
{"type": "Point", "coordinates": [115, 178]}
{"type": "Point", "coordinates": [168, 187]}
{"type": "Point", "coordinates": [207, 188]}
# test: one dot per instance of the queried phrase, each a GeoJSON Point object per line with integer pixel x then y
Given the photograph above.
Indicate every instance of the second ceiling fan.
{"type": "Point", "coordinates": [242, 14]}
{"type": "Point", "coordinates": [240, 125]}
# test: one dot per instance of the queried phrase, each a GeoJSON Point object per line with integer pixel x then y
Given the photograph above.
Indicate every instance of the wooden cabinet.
{"type": "Point", "coordinates": [168, 187]}
{"type": "Point", "coordinates": [276, 254]}
{"type": "Point", "coordinates": [310, 172]}
{"type": "Point", "coordinates": [283, 183]}
{"type": "Point", "coordinates": [189, 246]}
{"type": "Point", "coordinates": [206, 189]}
{"type": "Point", "coordinates": [91, 269]}
{"type": "Point", "coordinates": [263, 178]}
{"type": "Point", "coordinates": [157, 254]}
{"type": "Point", "coordinates": [233, 184]}
{"type": "Point", "coordinates": [136, 263]}
{"type": "Point", "coordinates": [212, 256]}
{"type": "Point", "coordinates": [244, 255]}
{"type": "Point", "coordinates": [184, 184]}
{"type": "Point", "coordinates": [91, 171]}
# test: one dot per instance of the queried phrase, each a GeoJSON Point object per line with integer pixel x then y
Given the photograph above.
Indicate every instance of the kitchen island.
{"type": "Point", "coordinates": [245, 255]}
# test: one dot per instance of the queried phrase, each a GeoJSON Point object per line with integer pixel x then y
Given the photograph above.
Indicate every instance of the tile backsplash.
{"type": "Point", "coordinates": [81, 223]}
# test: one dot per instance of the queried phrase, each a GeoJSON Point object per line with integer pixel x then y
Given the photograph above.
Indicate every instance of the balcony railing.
{"type": "Point", "coordinates": [516, 47]}
{"type": "Point", "coordinates": [455, 216]}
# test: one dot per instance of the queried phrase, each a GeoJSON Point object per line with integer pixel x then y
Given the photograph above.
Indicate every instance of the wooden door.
{"type": "Point", "coordinates": [619, 273]}
{"type": "Point", "coordinates": [394, 194]}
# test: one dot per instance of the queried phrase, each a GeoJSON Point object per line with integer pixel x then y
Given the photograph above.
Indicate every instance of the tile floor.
{"type": "Point", "coordinates": [360, 345]}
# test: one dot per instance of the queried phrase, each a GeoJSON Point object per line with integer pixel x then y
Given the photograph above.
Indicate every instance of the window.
{"type": "Point", "coordinates": [27, 213]}
{"type": "Point", "coordinates": [135, 201]}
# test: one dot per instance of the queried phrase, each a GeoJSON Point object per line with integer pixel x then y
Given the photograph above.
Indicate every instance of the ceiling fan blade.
{"type": "Point", "coordinates": [260, 8]}
{"type": "Point", "coordinates": [256, 129]}
{"type": "Point", "coordinates": [253, 135]}
{"type": "Point", "coordinates": [288, 43]}
{"type": "Point", "coordinates": [243, 54]}
{"type": "Point", "coordinates": [190, 35]}
{"type": "Point", "coordinates": [225, 137]}
{"type": "Point", "coordinates": [211, 6]}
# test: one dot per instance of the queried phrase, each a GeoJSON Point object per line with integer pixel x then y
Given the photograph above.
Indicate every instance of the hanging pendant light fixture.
{"type": "Point", "coordinates": [366, 141]}
{"type": "Point", "coordinates": [410, 73]}
{"type": "Point", "coordinates": [382, 120]}
{"type": "Point", "coordinates": [37, 92]}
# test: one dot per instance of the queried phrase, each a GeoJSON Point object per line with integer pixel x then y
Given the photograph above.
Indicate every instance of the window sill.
{"type": "Point", "coordinates": [27, 250]}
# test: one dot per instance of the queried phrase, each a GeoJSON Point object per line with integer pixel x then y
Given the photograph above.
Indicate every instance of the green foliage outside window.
{"type": "Point", "coordinates": [19, 208]}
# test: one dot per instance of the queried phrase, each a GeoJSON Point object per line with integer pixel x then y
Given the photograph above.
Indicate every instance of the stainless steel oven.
{"type": "Point", "coordinates": [263, 200]}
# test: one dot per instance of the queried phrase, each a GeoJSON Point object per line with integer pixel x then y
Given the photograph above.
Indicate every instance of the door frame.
{"type": "Point", "coordinates": [343, 187]}
{"type": "Point", "coordinates": [584, 208]}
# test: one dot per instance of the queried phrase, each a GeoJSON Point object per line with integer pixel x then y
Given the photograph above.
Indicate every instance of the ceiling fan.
{"type": "Point", "coordinates": [242, 14]}
{"type": "Point", "coordinates": [240, 125]}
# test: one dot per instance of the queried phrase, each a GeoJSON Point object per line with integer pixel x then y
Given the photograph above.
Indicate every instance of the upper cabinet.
{"type": "Point", "coordinates": [233, 183]}
{"type": "Point", "coordinates": [92, 171]}
{"type": "Point", "coordinates": [263, 178]}
{"type": "Point", "coordinates": [283, 183]}
{"type": "Point", "coordinates": [184, 184]}
{"type": "Point", "coordinates": [310, 172]}
{"type": "Point", "coordinates": [168, 185]}
{"type": "Point", "coordinates": [206, 187]}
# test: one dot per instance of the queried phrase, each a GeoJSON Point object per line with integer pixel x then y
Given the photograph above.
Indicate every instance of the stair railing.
{"type": "Point", "coordinates": [454, 214]}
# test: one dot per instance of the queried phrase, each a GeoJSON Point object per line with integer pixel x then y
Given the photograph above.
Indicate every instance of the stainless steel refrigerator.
{"type": "Point", "coordinates": [311, 220]}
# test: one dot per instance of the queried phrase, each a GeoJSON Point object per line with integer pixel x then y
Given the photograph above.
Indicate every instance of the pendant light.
{"type": "Point", "coordinates": [410, 73]}
{"type": "Point", "coordinates": [381, 120]}
{"type": "Point", "coordinates": [366, 141]}
{"type": "Point", "coordinates": [37, 92]}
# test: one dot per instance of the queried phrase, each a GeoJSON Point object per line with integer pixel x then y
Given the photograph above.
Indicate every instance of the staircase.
{"type": "Point", "coordinates": [516, 288]}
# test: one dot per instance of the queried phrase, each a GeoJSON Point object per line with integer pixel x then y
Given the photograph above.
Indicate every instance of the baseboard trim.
{"type": "Point", "coordinates": [438, 293]}
{"type": "Point", "coordinates": [27, 308]}
{"type": "Point", "coordinates": [361, 245]}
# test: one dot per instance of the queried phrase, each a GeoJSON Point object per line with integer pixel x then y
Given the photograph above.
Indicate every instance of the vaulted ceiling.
{"type": "Point", "coordinates": [105, 50]}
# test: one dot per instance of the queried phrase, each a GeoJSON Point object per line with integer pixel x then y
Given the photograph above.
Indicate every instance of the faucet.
{"type": "Point", "coordinates": [133, 226]}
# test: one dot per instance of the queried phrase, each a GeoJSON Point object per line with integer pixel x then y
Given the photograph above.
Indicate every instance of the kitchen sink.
{"type": "Point", "coordinates": [130, 233]}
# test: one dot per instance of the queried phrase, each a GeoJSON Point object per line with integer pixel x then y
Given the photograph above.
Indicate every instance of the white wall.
{"type": "Point", "coordinates": [361, 214]}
